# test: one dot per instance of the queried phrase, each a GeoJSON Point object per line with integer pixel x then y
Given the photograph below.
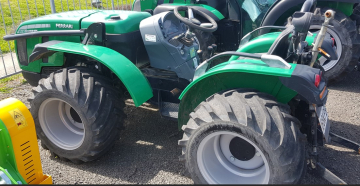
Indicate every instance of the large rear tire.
{"type": "Point", "coordinates": [78, 114]}
{"type": "Point", "coordinates": [347, 41]}
{"type": "Point", "coordinates": [356, 17]}
{"type": "Point", "coordinates": [241, 137]}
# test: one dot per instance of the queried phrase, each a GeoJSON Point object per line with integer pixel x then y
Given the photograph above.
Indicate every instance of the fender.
{"type": "Point", "coordinates": [283, 84]}
{"type": "Point", "coordinates": [134, 81]}
{"type": "Point", "coordinates": [275, 15]}
{"type": "Point", "coordinates": [262, 43]}
{"type": "Point", "coordinates": [245, 73]}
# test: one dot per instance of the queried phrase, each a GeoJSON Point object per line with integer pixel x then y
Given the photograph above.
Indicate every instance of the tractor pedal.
{"type": "Point", "coordinates": [170, 110]}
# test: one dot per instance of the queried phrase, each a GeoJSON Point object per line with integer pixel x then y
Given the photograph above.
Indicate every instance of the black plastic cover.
{"type": "Point", "coordinates": [302, 81]}
{"type": "Point", "coordinates": [40, 51]}
{"type": "Point", "coordinates": [31, 77]}
{"type": "Point", "coordinates": [95, 34]}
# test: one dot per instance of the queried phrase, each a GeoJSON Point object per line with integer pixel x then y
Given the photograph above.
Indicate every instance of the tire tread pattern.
{"type": "Point", "coordinates": [97, 99]}
{"type": "Point", "coordinates": [262, 114]}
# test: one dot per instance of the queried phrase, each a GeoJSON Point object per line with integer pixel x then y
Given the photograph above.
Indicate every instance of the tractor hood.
{"type": "Point", "coordinates": [116, 21]}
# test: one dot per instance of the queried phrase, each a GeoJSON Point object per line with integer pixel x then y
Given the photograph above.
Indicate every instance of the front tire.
{"type": "Point", "coordinates": [239, 137]}
{"type": "Point", "coordinates": [78, 114]}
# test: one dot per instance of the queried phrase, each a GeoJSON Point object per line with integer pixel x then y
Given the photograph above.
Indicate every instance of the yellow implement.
{"type": "Point", "coordinates": [19, 153]}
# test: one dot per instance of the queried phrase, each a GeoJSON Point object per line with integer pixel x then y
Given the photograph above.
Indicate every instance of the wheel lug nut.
{"type": "Point", "coordinates": [232, 158]}
{"type": "Point", "coordinates": [257, 154]}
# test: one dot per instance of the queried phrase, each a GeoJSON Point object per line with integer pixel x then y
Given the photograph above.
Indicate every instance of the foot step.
{"type": "Point", "coordinates": [170, 110]}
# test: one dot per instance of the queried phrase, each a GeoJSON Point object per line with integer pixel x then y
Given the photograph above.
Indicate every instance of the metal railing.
{"type": "Point", "coordinates": [13, 12]}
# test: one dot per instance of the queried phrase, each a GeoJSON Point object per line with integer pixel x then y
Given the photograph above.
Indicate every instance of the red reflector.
{"type": "Point", "coordinates": [317, 80]}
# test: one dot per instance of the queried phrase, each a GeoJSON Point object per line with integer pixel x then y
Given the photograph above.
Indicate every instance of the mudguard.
{"type": "Point", "coordinates": [248, 73]}
{"type": "Point", "coordinates": [134, 81]}
{"type": "Point", "coordinates": [262, 43]}
{"type": "Point", "coordinates": [281, 10]}
{"type": "Point", "coordinates": [283, 84]}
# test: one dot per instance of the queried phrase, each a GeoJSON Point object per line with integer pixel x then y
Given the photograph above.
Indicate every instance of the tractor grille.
{"type": "Point", "coordinates": [22, 51]}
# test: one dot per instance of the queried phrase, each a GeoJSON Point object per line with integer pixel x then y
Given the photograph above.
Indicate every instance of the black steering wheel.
{"type": "Point", "coordinates": [193, 22]}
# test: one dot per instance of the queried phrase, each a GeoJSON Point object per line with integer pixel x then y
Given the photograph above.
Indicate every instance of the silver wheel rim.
{"type": "Point", "coordinates": [219, 166]}
{"type": "Point", "coordinates": [61, 124]}
{"type": "Point", "coordinates": [329, 64]}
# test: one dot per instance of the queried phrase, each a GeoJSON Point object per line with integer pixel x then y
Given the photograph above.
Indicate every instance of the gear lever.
{"type": "Point", "coordinates": [214, 47]}
{"type": "Point", "coordinates": [199, 53]}
{"type": "Point", "coordinates": [210, 50]}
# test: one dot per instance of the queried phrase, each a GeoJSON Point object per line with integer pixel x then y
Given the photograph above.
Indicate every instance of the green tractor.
{"type": "Point", "coordinates": [236, 18]}
{"type": "Point", "coordinates": [245, 120]}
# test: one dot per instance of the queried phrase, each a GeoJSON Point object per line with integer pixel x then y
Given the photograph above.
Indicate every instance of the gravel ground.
{"type": "Point", "coordinates": [148, 153]}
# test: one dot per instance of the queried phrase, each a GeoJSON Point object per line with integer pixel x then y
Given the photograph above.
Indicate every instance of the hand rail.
{"type": "Point", "coordinates": [45, 33]}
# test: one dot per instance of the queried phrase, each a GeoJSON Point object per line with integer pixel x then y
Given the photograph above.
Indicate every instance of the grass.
{"type": "Point", "coordinates": [22, 10]}
{"type": "Point", "coordinates": [7, 84]}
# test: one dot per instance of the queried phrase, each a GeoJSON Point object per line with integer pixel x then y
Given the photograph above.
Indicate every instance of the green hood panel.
{"type": "Point", "coordinates": [65, 20]}
{"type": "Point", "coordinates": [75, 20]}
{"type": "Point", "coordinates": [129, 20]}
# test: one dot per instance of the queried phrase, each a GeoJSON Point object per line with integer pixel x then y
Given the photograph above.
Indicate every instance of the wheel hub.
{"type": "Point", "coordinates": [61, 124]}
{"type": "Point", "coordinates": [225, 157]}
{"type": "Point", "coordinates": [75, 115]}
{"type": "Point", "coordinates": [241, 149]}
{"type": "Point", "coordinates": [325, 63]}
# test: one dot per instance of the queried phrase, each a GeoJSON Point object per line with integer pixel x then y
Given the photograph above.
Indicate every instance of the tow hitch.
{"type": "Point", "coordinates": [316, 167]}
